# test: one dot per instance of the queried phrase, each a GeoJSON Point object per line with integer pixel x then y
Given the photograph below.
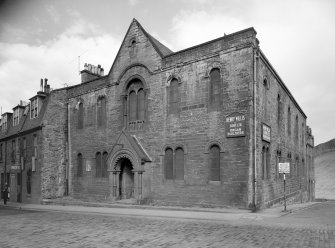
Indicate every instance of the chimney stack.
{"type": "Point", "coordinates": [91, 72]}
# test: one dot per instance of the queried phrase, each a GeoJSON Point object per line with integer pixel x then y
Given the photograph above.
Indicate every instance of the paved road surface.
{"type": "Point", "coordinates": [312, 227]}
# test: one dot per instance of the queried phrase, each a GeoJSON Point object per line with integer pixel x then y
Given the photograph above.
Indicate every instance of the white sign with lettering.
{"type": "Point", "coordinates": [284, 168]}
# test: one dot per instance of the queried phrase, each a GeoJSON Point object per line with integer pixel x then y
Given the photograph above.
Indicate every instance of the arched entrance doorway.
{"type": "Point", "coordinates": [126, 179]}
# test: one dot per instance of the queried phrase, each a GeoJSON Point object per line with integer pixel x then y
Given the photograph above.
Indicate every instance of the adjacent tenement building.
{"type": "Point", "coordinates": [204, 126]}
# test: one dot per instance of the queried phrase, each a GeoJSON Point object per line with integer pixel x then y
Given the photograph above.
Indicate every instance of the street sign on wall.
{"type": "Point", "coordinates": [284, 168]}
{"type": "Point", "coordinates": [266, 132]}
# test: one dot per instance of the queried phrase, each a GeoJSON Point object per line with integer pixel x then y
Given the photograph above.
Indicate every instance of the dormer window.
{"type": "Point", "coordinates": [33, 108]}
{"type": "Point", "coordinates": [4, 122]}
{"type": "Point", "coordinates": [16, 118]}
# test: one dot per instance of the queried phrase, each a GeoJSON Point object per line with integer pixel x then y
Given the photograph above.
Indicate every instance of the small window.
{"type": "Point", "coordinates": [214, 163]}
{"type": "Point", "coordinates": [174, 164]}
{"type": "Point", "coordinates": [79, 165]}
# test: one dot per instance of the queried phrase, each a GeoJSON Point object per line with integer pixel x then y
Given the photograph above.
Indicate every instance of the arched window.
{"type": "Point", "coordinates": [215, 88]}
{"type": "Point", "coordinates": [266, 162]}
{"type": "Point", "coordinates": [132, 106]}
{"type": "Point", "coordinates": [140, 104]}
{"type": "Point", "coordinates": [265, 97]}
{"type": "Point", "coordinates": [101, 112]}
{"type": "Point", "coordinates": [296, 130]}
{"type": "Point", "coordinates": [98, 165]}
{"type": "Point", "coordinates": [289, 121]}
{"type": "Point", "coordinates": [214, 158]}
{"type": "Point", "coordinates": [174, 96]}
{"type": "Point", "coordinates": [302, 134]}
{"type": "Point", "coordinates": [168, 163]}
{"type": "Point", "coordinates": [174, 164]}
{"type": "Point", "coordinates": [80, 115]}
{"type": "Point", "coordinates": [179, 164]}
{"type": "Point", "coordinates": [79, 165]}
{"type": "Point", "coordinates": [104, 164]}
{"type": "Point", "coordinates": [279, 112]}
{"type": "Point", "coordinates": [29, 182]}
{"type": "Point", "coordinates": [135, 112]}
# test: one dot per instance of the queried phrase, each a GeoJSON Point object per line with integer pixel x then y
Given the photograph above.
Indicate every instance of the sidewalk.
{"type": "Point", "coordinates": [213, 214]}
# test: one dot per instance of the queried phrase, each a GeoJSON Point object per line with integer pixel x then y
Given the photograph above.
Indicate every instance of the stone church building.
{"type": "Point", "coordinates": [204, 126]}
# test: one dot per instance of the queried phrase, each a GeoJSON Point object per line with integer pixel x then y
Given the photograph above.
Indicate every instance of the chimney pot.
{"type": "Point", "coordinates": [41, 86]}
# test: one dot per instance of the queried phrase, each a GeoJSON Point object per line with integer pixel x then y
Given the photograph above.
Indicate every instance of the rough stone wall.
{"type": "Point", "coordinates": [53, 148]}
{"type": "Point", "coordinates": [328, 146]}
{"type": "Point", "coordinates": [271, 190]}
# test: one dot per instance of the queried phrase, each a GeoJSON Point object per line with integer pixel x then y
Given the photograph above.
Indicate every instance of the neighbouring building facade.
{"type": "Point", "coordinates": [203, 126]}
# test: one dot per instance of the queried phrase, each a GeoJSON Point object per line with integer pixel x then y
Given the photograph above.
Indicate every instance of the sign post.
{"type": "Point", "coordinates": [284, 168]}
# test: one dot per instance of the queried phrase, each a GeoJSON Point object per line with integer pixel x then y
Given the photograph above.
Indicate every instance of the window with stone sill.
{"type": "Point", "coordinates": [215, 88]}
{"type": "Point", "coordinates": [135, 105]}
{"type": "Point", "coordinates": [34, 108]}
{"type": "Point", "coordinates": [174, 97]}
{"type": "Point", "coordinates": [80, 116]}
{"type": "Point", "coordinates": [174, 164]}
{"type": "Point", "coordinates": [79, 165]}
{"type": "Point", "coordinates": [101, 111]}
{"type": "Point", "coordinates": [214, 160]}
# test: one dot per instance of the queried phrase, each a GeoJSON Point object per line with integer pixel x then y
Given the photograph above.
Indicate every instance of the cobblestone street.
{"type": "Point", "coordinates": [23, 228]}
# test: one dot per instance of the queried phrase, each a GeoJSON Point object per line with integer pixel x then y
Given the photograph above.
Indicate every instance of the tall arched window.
{"type": "Point", "coordinates": [215, 88]}
{"type": "Point", "coordinates": [79, 165]}
{"type": "Point", "coordinates": [101, 111]}
{"type": "Point", "coordinates": [135, 111]}
{"type": "Point", "coordinates": [132, 106]}
{"type": "Point", "coordinates": [296, 130]}
{"type": "Point", "coordinates": [174, 96]}
{"type": "Point", "coordinates": [98, 165]}
{"type": "Point", "coordinates": [80, 115]}
{"type": "Point", "coordinates": [302, 134]}
{"type": "Point", "coordinates": [140, 104]}
{"type": "Point", "coordinates": [168, 163]}
{"type": "Point", "coordinates": [179, 164]}
{"type": "Point", "coordinates": [104, 164]}
{"type": "Point", "coordinates": [289, 121]}
{"type": "Point", "coordinates": [278, 111]}
{"type": "Point", "coordinates": [266, 162]}
{"type": "Point", "coordinates": [29, 181]}
{"type": "Point", "coordinates": [174, 163]}
{"type": "Point", "coordinates": [214, 158]}
{"type": "Point", "coordinates": [265, 97]}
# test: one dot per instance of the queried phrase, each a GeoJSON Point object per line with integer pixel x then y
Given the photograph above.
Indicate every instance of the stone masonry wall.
{"type": "Point", "coordinates": [54, 140]}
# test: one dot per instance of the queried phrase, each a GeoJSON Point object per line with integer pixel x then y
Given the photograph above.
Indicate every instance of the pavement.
{"type": "Point", "coordinates": [214, 214]}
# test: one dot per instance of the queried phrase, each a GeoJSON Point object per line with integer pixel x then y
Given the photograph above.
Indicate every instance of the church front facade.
{"type": "Point", "coordinates": [204, 126]}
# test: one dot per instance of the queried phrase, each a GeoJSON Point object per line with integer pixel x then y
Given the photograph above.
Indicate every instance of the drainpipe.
{"type": "Point", "coordinates": [68, 167]}
{"type": "Point", "coordinates": [255, 130]}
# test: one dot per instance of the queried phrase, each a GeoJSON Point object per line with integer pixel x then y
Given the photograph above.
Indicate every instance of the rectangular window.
{"type": "Point", "coordinates": [16, 117]}
{"type": "Point", "coordinates": [35, 146]}
{"type": "Point", "coordinates": [1, 147]}
{"type": "Point", "coordinates": [13, 155]}
{"type": "Point", "coordinates": [34, 108]}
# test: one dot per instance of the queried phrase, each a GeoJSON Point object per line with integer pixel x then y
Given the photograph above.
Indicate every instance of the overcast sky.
{"type": "Point", "coordinates": [43, 39]}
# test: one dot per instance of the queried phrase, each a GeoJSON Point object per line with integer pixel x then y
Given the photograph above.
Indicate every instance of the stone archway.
{"type": "Point", "coordinates": [126, 179]}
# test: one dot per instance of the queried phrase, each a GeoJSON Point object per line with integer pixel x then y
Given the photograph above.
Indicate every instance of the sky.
{"type": "Point", "coordinates": [53, 39]}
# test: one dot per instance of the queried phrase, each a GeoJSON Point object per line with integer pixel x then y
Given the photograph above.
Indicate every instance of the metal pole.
{"type": "Point", "coordinates": [284, 194]}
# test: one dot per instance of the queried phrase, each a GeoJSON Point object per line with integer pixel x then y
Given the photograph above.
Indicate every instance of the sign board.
{"type": "Point", "coordinates": [235, 125]}
{"type": "Point", "coordinates": [266, 132]}
{"type": "Point", "coordinates": [15, 167]}
{"type": "Point", "coordinates": [284, 168]}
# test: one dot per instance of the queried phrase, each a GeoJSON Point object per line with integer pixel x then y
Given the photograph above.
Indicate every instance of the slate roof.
{"type": "Point", "coordinates": [26, 123]}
